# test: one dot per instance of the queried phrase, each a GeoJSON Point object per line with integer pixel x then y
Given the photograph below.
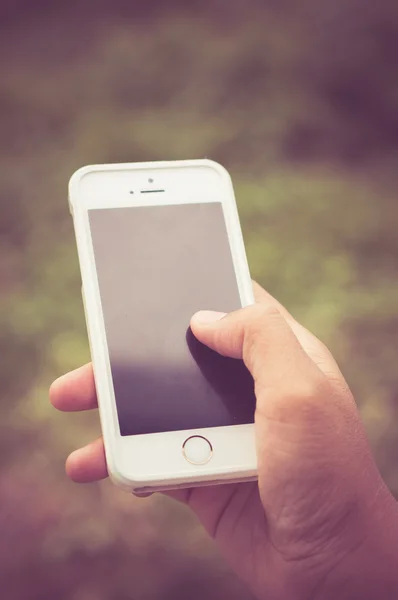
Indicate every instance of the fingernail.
{"type": "Point", "coordinates": [208, 316]}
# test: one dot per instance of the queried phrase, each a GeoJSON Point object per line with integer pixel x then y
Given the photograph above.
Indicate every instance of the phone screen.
{"type": "Point", "coordinates": [156, 266]}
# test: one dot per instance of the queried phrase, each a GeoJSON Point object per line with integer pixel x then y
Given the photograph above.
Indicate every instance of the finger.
{"type": "Point", "coordinates": [87, 464]}
{"type": "Point", "coordinates": [288, 383]}
{"type": "Point", "coordinates": [255, 333]}
{"type": "Point", "coordinates": [75, 391]}
{"type": "Point", "coordinates": [315, 349]}
{"type": "Point", "coordinates": [262, 296]}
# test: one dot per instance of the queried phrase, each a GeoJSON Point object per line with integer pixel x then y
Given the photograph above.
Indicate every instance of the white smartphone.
{"type": "Point", "coordinates": [157, 242]}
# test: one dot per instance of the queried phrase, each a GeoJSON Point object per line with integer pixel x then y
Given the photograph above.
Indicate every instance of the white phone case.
{"type": "Point", "coordinates": [155, 461]}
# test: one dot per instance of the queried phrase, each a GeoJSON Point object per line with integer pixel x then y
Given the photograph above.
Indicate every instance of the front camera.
{"type": "Point", "coordinates": [150, 180]}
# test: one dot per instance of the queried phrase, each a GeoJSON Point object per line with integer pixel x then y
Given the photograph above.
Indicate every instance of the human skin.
{"type": "Point", "coordinates": [320, 523]}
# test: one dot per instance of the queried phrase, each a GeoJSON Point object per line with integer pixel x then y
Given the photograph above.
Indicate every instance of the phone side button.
{"type": "Point", "coordinates": [197, 450]}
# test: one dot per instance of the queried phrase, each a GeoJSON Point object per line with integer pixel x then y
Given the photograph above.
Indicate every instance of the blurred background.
{"type": "Point", "coordinates": [299, 100]}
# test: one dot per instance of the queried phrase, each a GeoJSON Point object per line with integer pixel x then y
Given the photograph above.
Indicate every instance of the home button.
{"type": "Point", "coordinates": [197, 450]}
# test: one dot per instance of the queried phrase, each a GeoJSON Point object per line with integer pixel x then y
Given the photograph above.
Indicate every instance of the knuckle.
{"type": "Point", "coordinates": [266, 311]}
{"type": "Point", "coordinates": [312, 387]}
{"type": "Point", "coordinates": [260, 319]}
{"type": "Point", "coordinates": [253, 334]}
{"type": "Point", "coordinates": [261, 315]}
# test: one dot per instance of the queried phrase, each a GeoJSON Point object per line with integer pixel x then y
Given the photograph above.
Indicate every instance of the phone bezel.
{"type": "Point", "coordinates": [156, 460]}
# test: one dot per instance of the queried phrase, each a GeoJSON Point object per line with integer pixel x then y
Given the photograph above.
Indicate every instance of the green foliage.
{"type": "Point", "coordinates": [300, 104]}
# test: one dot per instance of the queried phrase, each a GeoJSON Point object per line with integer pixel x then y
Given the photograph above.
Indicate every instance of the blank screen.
{"type": "Point", "coordinates": [156, 267]}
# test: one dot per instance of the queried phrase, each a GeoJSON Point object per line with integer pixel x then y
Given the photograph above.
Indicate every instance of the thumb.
{"type": "Point", "coordinates": [259, 335]}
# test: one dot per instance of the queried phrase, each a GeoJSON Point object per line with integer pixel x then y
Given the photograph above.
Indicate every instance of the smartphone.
{"type": "Point", "coordinates": [156, 243]}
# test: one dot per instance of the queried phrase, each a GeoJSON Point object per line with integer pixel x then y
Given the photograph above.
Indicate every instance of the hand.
{"type": "Point", "coordinates": [320, 522]}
